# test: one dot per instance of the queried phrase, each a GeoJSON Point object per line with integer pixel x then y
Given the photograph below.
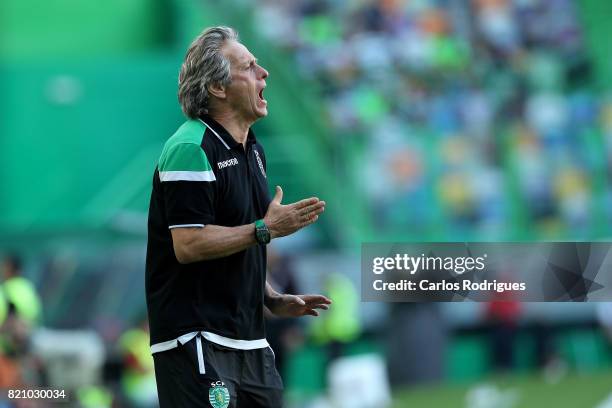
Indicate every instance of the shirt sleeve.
{"type": "Point", "coordinates": [188, 186]}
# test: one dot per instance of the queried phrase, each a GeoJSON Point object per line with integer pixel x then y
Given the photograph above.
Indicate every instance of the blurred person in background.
{"type": "Point", "coordinates": [9, 371]}
{"type": "Point", "coordinates": [20, 293]}
{"type": "Point", "coordinates": [22, 309]}
{"type": "Point", "coordinates": [341, 326]}
{"type": "Point", "coordinates": [284, 335]}
{"type": "Point", "coordinates": [503, 314]}
{"type": "Point", "coordinates": [416, 351]}
{"type": "Point", "coordinates": [138, 374]}
{"type": "Point", "coordinates": [210, 219]}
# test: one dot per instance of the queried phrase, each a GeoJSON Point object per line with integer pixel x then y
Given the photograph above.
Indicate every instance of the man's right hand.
{"type": "Point", "coordinates": [286, 219]}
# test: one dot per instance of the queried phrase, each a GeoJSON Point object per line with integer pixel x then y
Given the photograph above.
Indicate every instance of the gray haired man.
{"type": "Point", "coordinates": [210, 218]}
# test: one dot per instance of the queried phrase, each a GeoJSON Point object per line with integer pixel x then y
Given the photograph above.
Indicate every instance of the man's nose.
{"type": "Point", "coordinates": [264, 73]}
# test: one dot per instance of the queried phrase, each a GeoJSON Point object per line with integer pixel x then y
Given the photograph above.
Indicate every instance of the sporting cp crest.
{"type": "Point", "coordinates": [218, 395]}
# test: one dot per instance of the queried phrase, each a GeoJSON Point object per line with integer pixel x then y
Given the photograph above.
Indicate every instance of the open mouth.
{"type": "Point", "coordinates": [260, 94]}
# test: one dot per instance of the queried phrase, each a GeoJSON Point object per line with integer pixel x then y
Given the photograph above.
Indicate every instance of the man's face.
{"type": "Point", "coordinates": [245, 92]}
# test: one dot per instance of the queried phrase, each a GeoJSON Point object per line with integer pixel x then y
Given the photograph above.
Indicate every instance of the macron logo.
{"type": "Point", "coordinates": [227, 163]}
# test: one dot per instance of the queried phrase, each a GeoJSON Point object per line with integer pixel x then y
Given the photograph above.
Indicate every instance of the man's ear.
{"type": "Point", "coordinates": [217, 90]}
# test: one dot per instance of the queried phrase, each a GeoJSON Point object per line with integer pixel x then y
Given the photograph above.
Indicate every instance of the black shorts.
{"type": "Point", "coordinates": [232, 378]}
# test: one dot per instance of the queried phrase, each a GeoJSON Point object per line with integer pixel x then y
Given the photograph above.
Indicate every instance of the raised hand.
{"type": "Point", "coordinates": [298, 305]}
{"type": "Point", "coordinates": [284, 220]}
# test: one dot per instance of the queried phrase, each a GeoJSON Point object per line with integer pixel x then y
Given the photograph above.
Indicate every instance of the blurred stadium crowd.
{"type": "Point", "coordinates": [483, 108]}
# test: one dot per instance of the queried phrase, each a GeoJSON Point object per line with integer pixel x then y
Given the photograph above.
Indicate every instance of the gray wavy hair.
{"type": "Point", "coordinates": [204, 65]}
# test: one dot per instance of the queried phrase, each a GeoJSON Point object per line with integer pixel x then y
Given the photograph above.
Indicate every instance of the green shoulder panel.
{"type": "Point", "coordinates": [183, 158]}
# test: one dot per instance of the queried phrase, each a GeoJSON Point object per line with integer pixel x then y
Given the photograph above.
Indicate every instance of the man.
{"type": "Point", "coordinates": [20, 293]}
{"type": "Point", "coordinates": [20, 312]}
{"type": "Point", "coordinates": [210, 218]}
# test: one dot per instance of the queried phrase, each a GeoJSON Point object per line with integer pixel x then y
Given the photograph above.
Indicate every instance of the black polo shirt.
{"type": "Point", "coordinates": [205, 177]}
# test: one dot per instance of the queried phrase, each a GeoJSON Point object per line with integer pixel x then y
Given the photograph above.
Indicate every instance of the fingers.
{"type": "Point", "coordinates": [299, 205]}
{"type": "Point", "coordinates": [311, 217]}
{"type": "Point", "coordinates": [278, 196]}
{"type": "Point", "coordinates": [316, 208]}
{"type": "Point", "coordinates": [308, 221]}
{"type": "Point", "coordinates": [311, 312]}
{"type": "Point", "coordinates": [313, 302]}
{"type": "Point", "coordinates": [298, 300]}
{"type": "Point", "coordinates": [316, 299]}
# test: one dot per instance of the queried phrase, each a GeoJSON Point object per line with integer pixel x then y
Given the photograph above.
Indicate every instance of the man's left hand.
{"type": "Point", "coordinates": [297, 305]}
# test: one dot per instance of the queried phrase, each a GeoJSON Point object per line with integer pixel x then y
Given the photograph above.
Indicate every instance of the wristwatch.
{"type": "Point", "coordinates": [262, 233]}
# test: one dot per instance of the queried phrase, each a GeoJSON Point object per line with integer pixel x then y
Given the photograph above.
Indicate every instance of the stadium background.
{"type": "Point", "coordinates": [416, 120]}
